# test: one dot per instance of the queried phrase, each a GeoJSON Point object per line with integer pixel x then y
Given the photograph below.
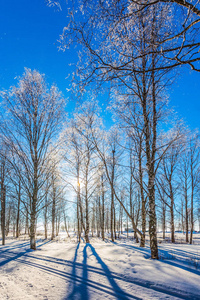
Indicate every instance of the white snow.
{"type": "Point", "coordinates": [63, 269]}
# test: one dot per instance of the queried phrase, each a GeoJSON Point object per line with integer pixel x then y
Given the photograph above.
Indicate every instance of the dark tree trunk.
{"type": "Point", "coordinates": [3, 212]}
{"type": "Point", "coordinates": [46, 218]}
{"type": "Point", "coordinates": [18, 210]}
{"type": "Point", "coordinates": [53, 212]}
{"type": "Point", "coordinates": [8, 221]}
{"type": "Point", "coordinates": [103, 209]}
{"type": "Point", "coordinates": [27, 224]}
{"type": "Point", "coordinates": [192, 206]}
{"type": "Point", "coordinates": [172, 214]}
{"type": "Point", "coordinates": [87, 205]}
{"type": "Point", "coordinates": [164, 220]}
{"type": "Point", "coordinates": [186, 222]}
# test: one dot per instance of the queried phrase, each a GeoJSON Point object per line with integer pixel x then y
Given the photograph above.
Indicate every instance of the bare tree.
{"type": "Point", "coordinates": [34, 116]}
{"type": "Point", "coordinates": [3, 178]}
{"type": "Point", "coordinates": [184, 175]}
{"type": "Point", "coordinates": [180, 42]}
{"type": "Point", "coordinates": [194, 165]}
{"type": "Point", "coordinates": [126, 56]}
{"type": "Point", "coordinates": [168, 182]}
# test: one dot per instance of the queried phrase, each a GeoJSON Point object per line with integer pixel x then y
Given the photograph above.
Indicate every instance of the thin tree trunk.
{"type": "Point", "coordinates": [18, 210]}
{"type": "Point", "coordinates": [103, 208]}
{"type": "Point", "coordinates": [53, 212]}
{"type": "Point", "coordinates": [192, 206]}
{"type": "Point", "coordinates": [186, 221]}
{"type": "Point", "coordinates": [8, 221]}
{"type": "Point", "coordinates": [65, 222]}
{"type": "Point", "coordinates": [86, 205]}
{"type": "Point", "coordinates": [164, 220]}
{"type": "Point", "coordinates": [45, 218]}
{"type": "Point", "coordinates": [172, 214]}
{"type": "Point", "coordinates": [3, 203]}
{"type": "Point", "coordinates": [3, 212]}
{"type": "Point", "coordinates": [32, 226]}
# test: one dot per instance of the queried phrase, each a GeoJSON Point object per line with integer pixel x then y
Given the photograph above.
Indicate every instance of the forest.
{"type": "Point", "coordinates": [122, 165]}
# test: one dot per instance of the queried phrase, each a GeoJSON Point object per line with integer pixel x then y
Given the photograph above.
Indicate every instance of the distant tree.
{"type": "Point", "coordinates": [168, 181]}
{"type": "Point", "coordinates": [113, 158]}
{"type": "Point", "coordinates": [34, 115]}
{"type": "Point", "coordinates": [4, 171]}
{"type": "Point", "coordinates": [83, 161]}
{"type": "Point", "coordinates": [194, 168]}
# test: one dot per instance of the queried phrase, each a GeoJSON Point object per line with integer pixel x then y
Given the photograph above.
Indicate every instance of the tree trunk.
{"type": "Point", "coordinates": [111, 218]}
{"type": "Point", "coordinates": [53, 211]}
{"type": "Point", "coordinates": [27, 223]}
{"type": "Point", "coordinates": [186, 222]}
{"type": "Point", "coordinates": [150, 153]}
{"type": "Point", "coordinates": [114, 221]}
{"type": "Point", "coordinates": [192, 207]}
{"type": "Point", "coordinates": [112, 197]}
{"type": "Point", "coordinates": [45, 218]}
{"type": "Point", "coordinates": [8, 221]}
{"type": "Point", "coordinates": [152, 225]}
{"type": "Point", "coordinates": [172, 214]}
{"type": "Point", "coordinates": [32, 227]}
{"type": "Point", "coordinates": [3, 202]}
{"type": "Point", "coordinates": [142, 241]}
{"type": "Point", "coordinates": [18, 210]}
{"type": "Point", "coordinates": [164, 221]}
{"type": "Point", "coordinates": [3, 211]}
{"type": "Point", "coordinates": [86, 208]}
{"type": "Point", "coordinates": [103, 208]}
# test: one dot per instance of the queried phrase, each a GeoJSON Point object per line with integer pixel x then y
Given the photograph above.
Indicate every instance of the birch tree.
{"type": "Point", "coordinates": [35, 113]}
{"type": "Point", "coordinates": [121, 49]}
{"type": "Point", "coordinates": [180, 42]}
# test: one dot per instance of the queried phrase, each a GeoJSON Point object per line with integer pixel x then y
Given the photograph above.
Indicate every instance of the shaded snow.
{"type": "Point", "coordinates": [63, 269]}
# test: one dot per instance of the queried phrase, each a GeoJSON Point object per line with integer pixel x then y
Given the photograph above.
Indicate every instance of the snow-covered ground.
{"type": "Point", "coordinates": [63, 269]}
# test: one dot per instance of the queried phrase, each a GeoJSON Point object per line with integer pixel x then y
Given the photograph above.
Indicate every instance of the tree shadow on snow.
{"type": "Point", "coordinates": [12, 255]}
{"type": "Point", "coordinates": [119, 293]}
{"type": "Point", "coordinates": [79, 278]}
{"type": "Point", "coordinates": [79, 289]}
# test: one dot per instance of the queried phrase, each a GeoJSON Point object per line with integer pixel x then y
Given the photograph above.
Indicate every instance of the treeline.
{"type": "Point", "coordinates": [147, 165]}
{"type": "Point", "coordinates": [110, 175]}
{"type": "Point", "coordinates": [29, 156]}
{"type": "Point", "coordinates": [44, 156]}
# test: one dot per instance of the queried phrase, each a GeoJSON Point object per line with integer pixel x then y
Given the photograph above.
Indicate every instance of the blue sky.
{"type": "Point", "coordinates": [29, 31]}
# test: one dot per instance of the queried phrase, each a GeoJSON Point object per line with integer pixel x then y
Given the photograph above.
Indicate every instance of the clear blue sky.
{"type": "Point", "coordinates": [29, 31]}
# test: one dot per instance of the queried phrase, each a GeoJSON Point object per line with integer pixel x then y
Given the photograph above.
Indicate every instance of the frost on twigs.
{"type": "Point", "coordinates": [52, 3]}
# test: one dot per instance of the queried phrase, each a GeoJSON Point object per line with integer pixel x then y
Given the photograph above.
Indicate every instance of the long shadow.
{"type": "Point", "coordinates": [166, 253]}
{"type": "Point", "coordinates": [44, 243]}
{"type": "Point", "coordinates": [180, 252]}
{"type": "Point", "coordinates": [71, 296]}
{"type": "Point", "coordinates": [14, 255]}
{"type": "Point", "coordinates": [185, 268]}
{"type": "Point", "coordinates": [83, 280]}
{"type": "Point", "coordinates": [102, 287]}
{"type": "Point", "coordinates": [119, 293]}
{"type": "Point", "coordinates": [63, 262]}
{"type": "Point", "coordinates": [7, 246]}
{"type": "Point", "coordinates": [80, 289]}
{"type": "Point", "coordinates": [83, 287]}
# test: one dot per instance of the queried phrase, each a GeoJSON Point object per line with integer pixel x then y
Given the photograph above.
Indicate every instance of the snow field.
{"type": "Point", "coordinates": [63, 269]}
